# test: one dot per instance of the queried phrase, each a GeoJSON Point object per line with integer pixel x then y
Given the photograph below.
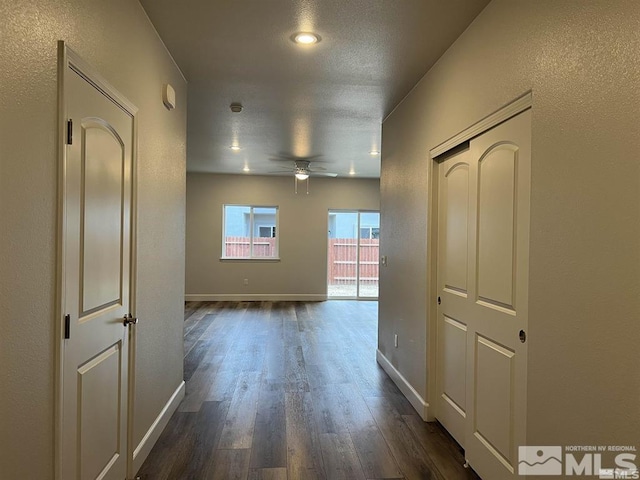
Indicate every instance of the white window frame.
{"type": "Point", "coordinates": [251, 235]}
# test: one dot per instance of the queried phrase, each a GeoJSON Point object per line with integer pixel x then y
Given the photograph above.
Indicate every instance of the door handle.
{"type": "Point", "coordinates": [129, 320]}
{"type": "Point", "coordinates": [523, 336]}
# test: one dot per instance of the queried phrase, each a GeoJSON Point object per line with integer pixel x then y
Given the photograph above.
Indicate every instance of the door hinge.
{"type": "Point", "coordinates": [69, 132]}
{"type": "Point", "coordinates": [67, 326]}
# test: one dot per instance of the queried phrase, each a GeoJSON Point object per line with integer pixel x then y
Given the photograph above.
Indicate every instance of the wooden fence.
{"type": "Point", "coordinates": [342, 261]}
{"type": "Point", "coordinates": [240, 247]}
{"type": "Point", "coordinates": [342, 257]}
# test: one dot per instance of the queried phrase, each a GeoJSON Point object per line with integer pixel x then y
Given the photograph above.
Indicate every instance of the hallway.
{"type": "Point", "coordinates": [284, 391]}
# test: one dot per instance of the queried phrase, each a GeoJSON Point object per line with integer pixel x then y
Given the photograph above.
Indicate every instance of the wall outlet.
{"type": "Point", "coordinates": [245, 282]}
{"type": "Point", "coordinates": [395, 340]}
{"type": "Point", "coordinates": [383, 260]}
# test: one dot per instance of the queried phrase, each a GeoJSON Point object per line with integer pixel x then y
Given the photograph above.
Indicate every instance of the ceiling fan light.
{"type": "Point", "coordinates": [305, 38]}
{"type": "Point", "coordinates": [302, 176]}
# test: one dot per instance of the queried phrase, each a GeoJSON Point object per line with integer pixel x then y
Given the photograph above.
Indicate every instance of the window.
{"type": "Point", "coordinates": [268, 232]}
{"type": "Point", "coordinates": [250, 232]}
{"type": "Point", "coordinates": [370, 232]}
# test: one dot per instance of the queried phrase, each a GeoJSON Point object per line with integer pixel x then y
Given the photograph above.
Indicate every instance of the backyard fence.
{"type": "Point", "coordinates": [342, 257]}
{"type": "Point", "coordinates": [342, 261]}
{"type": "Point", "coordinates": [240, 247]}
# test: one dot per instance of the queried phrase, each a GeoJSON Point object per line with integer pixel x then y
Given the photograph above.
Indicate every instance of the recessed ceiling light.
{"type": "Point", "coordinates": [235, 148]}
{"type": "Point", "coordinates": [246, 169]}
{"type": "Point", "coordinates": [374, 152]}
{"type": "Point", "coordinates": [352, 172]}
{"type": "Point", "coordinates": [305, 38]}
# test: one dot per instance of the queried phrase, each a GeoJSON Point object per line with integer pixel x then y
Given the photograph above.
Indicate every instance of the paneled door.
{"type": "Point", "coordinates": [483, 252]}
{"type": "Point", "coordinates": [454, 242]}
{"type": "Point", "coordinates": [96, 276]}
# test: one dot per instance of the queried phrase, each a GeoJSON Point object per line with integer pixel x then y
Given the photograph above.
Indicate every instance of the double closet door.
{"type": "Point", "coordinates": [483, 252]}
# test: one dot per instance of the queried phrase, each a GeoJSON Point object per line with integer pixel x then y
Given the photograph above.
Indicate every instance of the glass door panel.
{"type": "Point", "coordinates": [353, 252]}
{"type": "Point", "coordinates": [368, 254]}
{"type": "Point", "coordinates": [343, 253]}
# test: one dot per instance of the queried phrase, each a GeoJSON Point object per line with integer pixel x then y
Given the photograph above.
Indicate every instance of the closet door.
{"type": "Point", "coordinates": [483, 254]}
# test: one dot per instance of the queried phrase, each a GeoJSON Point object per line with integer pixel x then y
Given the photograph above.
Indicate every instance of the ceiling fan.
{"type": "Point", "coordinates": [302, 170]}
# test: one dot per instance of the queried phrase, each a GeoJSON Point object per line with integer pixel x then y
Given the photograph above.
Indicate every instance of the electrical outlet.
{"type": "Point", "coordinates": [383, 260]}
{"type": "Point", "coordinates": [395, 340]}
{"type": "Point", "coordinates": [245, 282]}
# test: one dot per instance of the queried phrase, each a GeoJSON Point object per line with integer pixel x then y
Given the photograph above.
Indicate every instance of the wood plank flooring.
{"type": "Point", "coordinates": [292, 391]}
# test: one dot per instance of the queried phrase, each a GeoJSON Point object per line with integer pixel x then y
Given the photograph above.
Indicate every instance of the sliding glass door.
{"type": "Point", "coordinates": [352, 267]}
{"type": "Point", "coordinates": [368, 254]}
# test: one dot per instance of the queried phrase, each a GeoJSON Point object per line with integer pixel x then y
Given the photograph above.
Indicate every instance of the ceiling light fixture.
{"type": "Point", "coordinates": [305, 38]}
{"type": "Point", "coordinates": [235, 148]}
{"type": "Point", "coordinates": [246, 169]}
{"type": "Point", "coordinates": [302, 176]}
{"type": "Point", "coordinates": [374, 152]}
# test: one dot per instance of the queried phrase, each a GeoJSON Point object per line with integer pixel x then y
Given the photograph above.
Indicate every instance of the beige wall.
{"type": "Point", "coordinates": [117, 38]}
{"type": "Point", "coordinates": [302, 271]}
{"type": "Point", "coordinates": [582, 61]}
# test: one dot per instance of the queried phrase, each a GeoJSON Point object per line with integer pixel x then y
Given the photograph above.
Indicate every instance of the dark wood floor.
{"type": "Point", "coordinates": [288, 391]}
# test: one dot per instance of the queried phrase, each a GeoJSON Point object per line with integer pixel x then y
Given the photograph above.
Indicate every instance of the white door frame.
{"type": "Point", "coordinates": [503, 114]}
{"type": "Point", "coordinates": [68, 59]}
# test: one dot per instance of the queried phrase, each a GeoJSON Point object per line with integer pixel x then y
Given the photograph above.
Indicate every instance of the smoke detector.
{"type": "Point", "coordinates": [236, 107]}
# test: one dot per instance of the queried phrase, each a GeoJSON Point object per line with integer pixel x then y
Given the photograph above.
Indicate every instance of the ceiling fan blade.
{"type": "Point", "coordinates": [276, 159]}
{"type": "Point", "coordinates": [312, 158]}
{"type": "Point", "coordinates": [283, 157]}
{"type": "Point", "coordinates": [316, 159]}
{"type": "Point", "coordinates": [323, 174]}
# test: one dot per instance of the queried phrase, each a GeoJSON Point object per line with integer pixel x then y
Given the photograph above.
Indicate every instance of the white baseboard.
{"type": "Point", "coordinates": [405, 387]}
{"type": "Point", "coordinates": [141, 452]}
{"type": "Point", "coordinates": [248, 297]}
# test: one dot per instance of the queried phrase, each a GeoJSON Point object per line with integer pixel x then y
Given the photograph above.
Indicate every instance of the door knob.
{"type": "Point", "coordinates": [129, 320]}
{"type": "Point", "coordinates": [523, 336]}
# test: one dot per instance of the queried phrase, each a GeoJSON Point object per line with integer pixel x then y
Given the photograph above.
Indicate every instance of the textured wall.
{"type": "Point", "coordinates": [303, 221]}
{"type": "Point", "coordinates": [582, 61]}
{"type": "Point", "coordinates": [117, 38]}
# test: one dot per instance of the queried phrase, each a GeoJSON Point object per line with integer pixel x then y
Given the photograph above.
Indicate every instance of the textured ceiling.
{"type": "Point", "coordinates": [325, 101]}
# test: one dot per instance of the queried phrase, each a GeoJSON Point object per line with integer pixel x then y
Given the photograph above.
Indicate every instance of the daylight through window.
{"type": "Point", "coordinates": [250, 232]}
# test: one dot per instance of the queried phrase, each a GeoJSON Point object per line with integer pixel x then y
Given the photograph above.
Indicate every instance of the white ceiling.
{"type": "Point", "coordinates": [327, 100]}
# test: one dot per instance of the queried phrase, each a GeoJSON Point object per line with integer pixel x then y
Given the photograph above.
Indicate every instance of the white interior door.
{"type": "Point", "coordinates": [96, 282]}
{"type": "Point", "coordinates": [455, 238]}
{"type": "Point", "coordinates": [483, 257]}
